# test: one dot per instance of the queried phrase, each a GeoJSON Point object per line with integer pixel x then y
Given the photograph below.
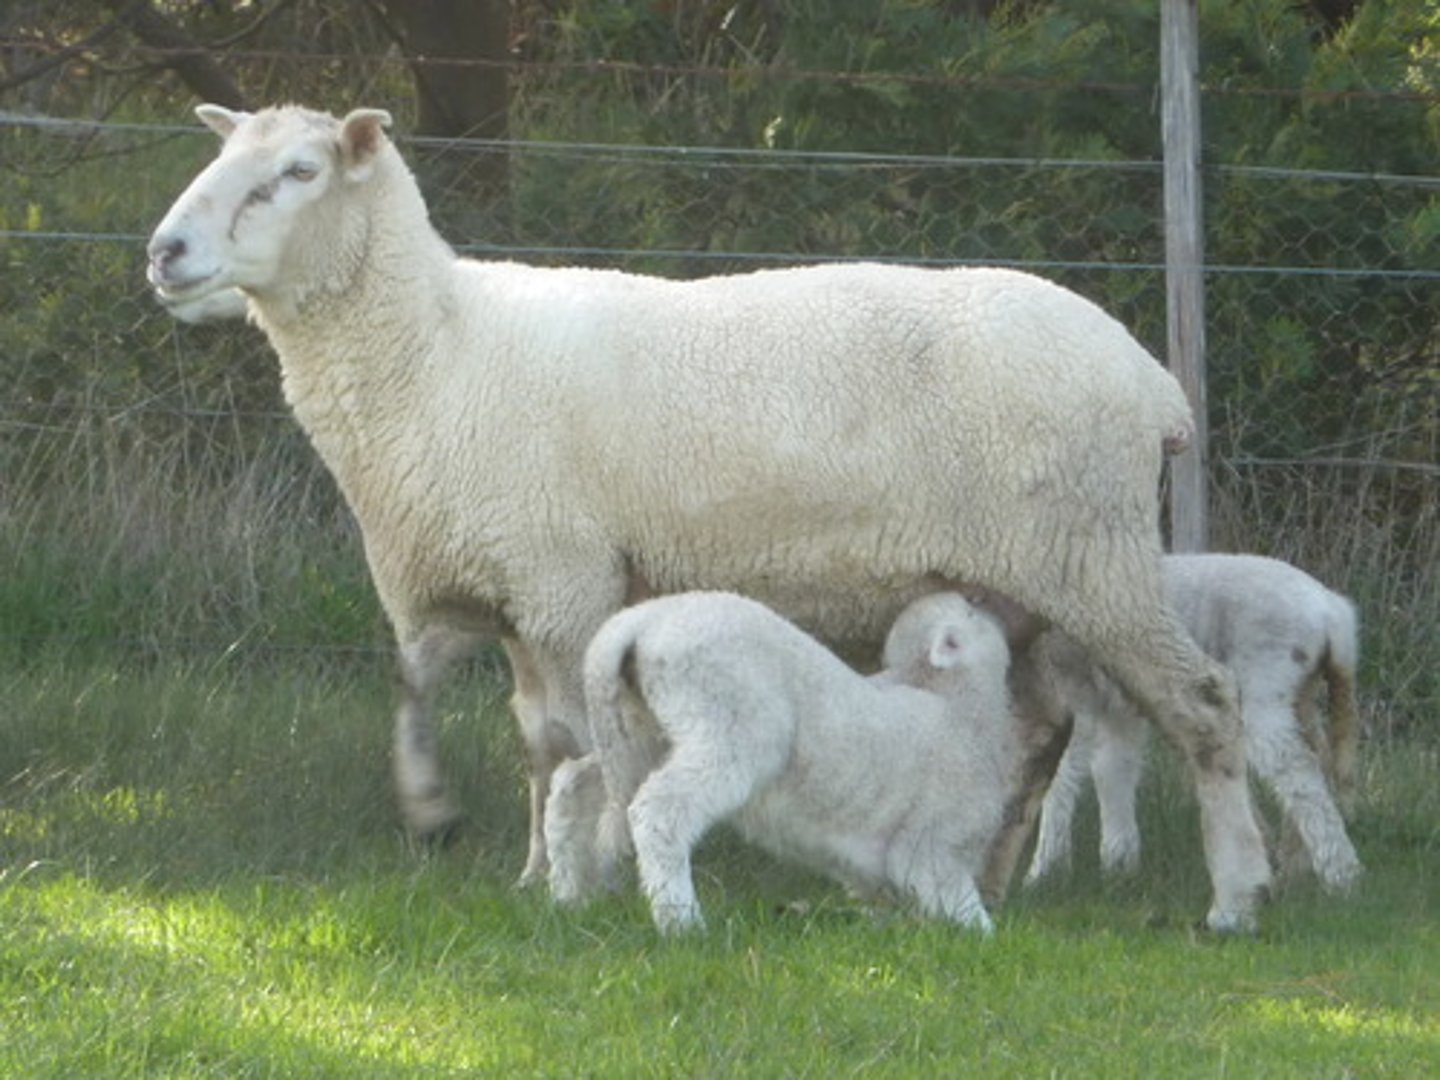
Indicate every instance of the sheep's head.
{"type": "Point", "coordinates": [942, 642]}
{"type": "Point", "coordinates": [241, 222]}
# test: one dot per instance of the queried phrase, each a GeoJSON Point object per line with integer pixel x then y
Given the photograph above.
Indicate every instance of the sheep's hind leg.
{"type": "Point", "coordinates": [1194, 701]}
{"type": "Point", "coordinates": [1054, 840]}
{"type": "Point", "coordinates": [1045, 727]}
{"type": "Point", "coordinates": [425, 660]}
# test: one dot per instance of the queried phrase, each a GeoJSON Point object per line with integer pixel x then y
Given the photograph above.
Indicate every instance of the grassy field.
{"type": "Point", "coordinates": [201, 871]}
{"type": "Point", "coordinates": [203, 876]}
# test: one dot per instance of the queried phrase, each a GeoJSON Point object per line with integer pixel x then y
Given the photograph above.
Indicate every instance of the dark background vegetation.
{"type": "Point", "coordinates": [155, 498]}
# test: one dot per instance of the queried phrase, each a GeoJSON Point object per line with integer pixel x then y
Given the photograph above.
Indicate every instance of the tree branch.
{"type": "Point", "coordinates": [34, 71]}
{"type": "Point", "coordinates": [179, 52]}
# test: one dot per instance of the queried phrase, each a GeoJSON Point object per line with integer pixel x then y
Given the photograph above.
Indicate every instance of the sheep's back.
{"type": "Point", "coordinates": [826, 439]}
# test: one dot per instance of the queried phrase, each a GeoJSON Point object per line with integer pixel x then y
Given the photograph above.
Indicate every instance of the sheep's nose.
{"type": "Point", "coordinates": [163, 252]}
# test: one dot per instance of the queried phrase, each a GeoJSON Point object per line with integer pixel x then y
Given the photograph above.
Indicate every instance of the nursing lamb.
{"type": "Point", "coordinates": [1283, 634]}
{"type": "Point", "coordinates": [519, 445]}
{"type": "Point", "coordinates": [709, 707]}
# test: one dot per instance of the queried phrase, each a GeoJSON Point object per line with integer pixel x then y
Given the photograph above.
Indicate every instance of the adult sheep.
{"type": "Point", "coordinates": [519, 445]}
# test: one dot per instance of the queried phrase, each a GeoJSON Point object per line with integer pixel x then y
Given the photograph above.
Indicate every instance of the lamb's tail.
{"type": "Point", "coordinates": [627, 739]}
{"type": "Point", "coordinates": [1341, 661]}
{"type": "Point", "coordinates": [1342, 657]}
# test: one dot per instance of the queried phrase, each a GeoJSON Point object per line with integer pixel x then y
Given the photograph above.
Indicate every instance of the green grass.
{"type": "Point", "coordinates": [203, 876]}
{"type": "Point", "coordinates": [202, 873]}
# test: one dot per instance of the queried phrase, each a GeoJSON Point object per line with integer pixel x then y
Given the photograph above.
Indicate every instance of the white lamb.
{"type": "Point", "coordinates": [709, 707]}
{"type": "Point", "coordinates": [519, 445]}
{"type": "Point", "coordinates": [1282, 633]}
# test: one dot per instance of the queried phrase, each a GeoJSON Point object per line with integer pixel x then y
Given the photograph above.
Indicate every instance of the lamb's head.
{"type": "Point", "coordinates": [270, 209]}
{"type": "Point", "coordinates": [942, 642]}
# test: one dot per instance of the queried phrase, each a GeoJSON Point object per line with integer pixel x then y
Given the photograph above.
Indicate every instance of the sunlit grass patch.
{"type": "Point", "coordinates": [115, 807]}
{"type": "Point", "coordinates": [202, 874]}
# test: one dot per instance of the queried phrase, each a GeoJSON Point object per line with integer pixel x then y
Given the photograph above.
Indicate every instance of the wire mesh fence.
{"type": "Point", "coordinates": [1323, 307]}
{"type": "Point", "coordinates": [1321, 303]}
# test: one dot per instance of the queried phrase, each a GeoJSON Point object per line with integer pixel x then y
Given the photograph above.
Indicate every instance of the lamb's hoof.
{"type": "Point", "coordinates": [1343, 882]}
{"type": "Point", "coordinates": [1035, 880]}
{"type": "Point", "coordinates": [677, 920]}
{"type": "Point", "coordinates": [1232, 923]}
{"type": "Point", "coordinates": [674, 931]}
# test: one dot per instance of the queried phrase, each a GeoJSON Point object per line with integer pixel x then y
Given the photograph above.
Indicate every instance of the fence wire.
{"type": "Point", "coordinates": [1323, 295]}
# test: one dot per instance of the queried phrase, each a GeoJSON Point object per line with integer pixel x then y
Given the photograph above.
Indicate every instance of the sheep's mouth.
{"type": "Point", "coordinates": [179, 292]}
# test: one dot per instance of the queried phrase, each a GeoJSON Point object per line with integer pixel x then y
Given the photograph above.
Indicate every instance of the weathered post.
{"type": "Point", "coordinates": [1184, 261]}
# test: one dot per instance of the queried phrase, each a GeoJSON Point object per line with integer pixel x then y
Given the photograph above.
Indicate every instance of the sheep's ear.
{"type": "Point", "coordinates": [362, 133]}
{"type": "Point", "coordinates": [946, 648]}
{"type": "Point", "coordinates": [220, 120]}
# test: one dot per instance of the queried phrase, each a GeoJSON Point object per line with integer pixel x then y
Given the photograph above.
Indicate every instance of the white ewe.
{"type": "Point", "coordinates": [709, 707]}
{"type": "Point", "coordinates": [519, 444]}
{"type": "Point", "coordinates": [1282, 633]}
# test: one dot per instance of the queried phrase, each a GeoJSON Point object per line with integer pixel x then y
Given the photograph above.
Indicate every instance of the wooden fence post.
{"type": "Point", "coordinates": [1184, 261]}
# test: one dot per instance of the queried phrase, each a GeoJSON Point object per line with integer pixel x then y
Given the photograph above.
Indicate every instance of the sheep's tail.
{"type": "Point", "coordinates": [627, 739]}
{"type": "Point", "coordinates": [1342, 657]}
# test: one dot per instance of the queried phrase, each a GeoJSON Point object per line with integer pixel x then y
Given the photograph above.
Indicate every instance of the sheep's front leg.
{"type": "Point", "coordinates": [426, 657]}
{"type": "Point", "coordinates": [550, 711]}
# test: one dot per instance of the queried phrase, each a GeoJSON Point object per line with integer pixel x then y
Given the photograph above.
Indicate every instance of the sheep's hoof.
{"type": "Point", "coordinates": [433, 825]}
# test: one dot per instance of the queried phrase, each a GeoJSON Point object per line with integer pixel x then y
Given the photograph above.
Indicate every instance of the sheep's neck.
{"type": "Point", "coordinates": [355, 352]}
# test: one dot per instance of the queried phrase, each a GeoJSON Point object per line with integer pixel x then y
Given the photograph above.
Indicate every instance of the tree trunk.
{"type": "Point", "coordinates": [457, 51]}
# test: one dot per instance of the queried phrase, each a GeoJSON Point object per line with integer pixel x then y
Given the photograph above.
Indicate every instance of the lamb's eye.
{"type": "Point", "coordinates": [303, 171]}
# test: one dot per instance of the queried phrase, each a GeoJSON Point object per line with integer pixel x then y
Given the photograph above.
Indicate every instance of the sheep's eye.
{"type": "Point", "coordinates": [303, 171]}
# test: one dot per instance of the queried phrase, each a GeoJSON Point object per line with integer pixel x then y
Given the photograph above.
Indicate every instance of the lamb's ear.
{"type": "Point", "coordinates": [362, 133]}
{"type": "Point", "coordinates": [220, 120]}
{"type": "Point", "coordinates": [946, 647]}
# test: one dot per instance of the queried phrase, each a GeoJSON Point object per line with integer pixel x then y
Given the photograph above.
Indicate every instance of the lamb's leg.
{"type": "Point", "coordinates": [1193, 699]}
{"type": "Point", "coordinates": [940, 883]}
{"type": "Point", "coordinates": [630, 745]}
{"type": "Point", "coordinates": [1116, 766]}
{"type": "Point", "coordinates": [1281, 757]}
{"type": "Point", "coordinates": [583, 587]}
{"type": "Point", "coordinates": [960, 902]}
{"type": "Point", "coordinates": [572, 818]}
{"type": "Point", "coordinates": [1053, 841]}
{"type": "Point", "coordinates": [426, 657]}
{"type": "Point", "coordinates": [701, 783]}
